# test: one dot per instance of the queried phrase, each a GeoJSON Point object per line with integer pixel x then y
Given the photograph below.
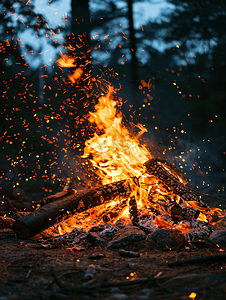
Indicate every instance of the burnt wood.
{"type": "Point", "coordinates": [133, 211]}
{"type": "Point", "coordinates": [189, 213]}
{"type": "Point", "coordinates": [156, 168]}
{"type": "Point", "coordinates": [55, 197]}
{"type": "Point", "coordinates": [46, 216]}
{"type": "Point", "coordinates": [169, 207]}
{"type": "Point", "coordinates": [6, 222]}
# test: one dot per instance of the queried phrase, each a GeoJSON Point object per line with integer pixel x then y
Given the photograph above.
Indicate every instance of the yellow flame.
{"type": "Point", "coordinates": [115, 153]}
{"type": "Point", "coordinates": [118, 155]}
{"type": "Point", "coordinates": [69, 62]}
{"type": "Point", "coordinates": [66, 62]}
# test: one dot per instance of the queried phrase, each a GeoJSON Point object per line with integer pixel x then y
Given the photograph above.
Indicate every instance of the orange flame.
{"type": "Point", "coordinates": [115, 153]}
{"type": "Point", "coordinates": [118, 155]}
{"type": "Point", "coordinates": [69, 62]}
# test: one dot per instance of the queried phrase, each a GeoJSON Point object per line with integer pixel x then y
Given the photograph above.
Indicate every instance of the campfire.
{"type": "Point", "coordinates": [137, 190]}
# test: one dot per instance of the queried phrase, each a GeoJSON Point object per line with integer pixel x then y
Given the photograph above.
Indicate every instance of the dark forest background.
{"type": "Point", "coordinates": [169, 75]}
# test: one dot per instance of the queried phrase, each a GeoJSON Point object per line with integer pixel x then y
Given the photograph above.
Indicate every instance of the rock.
{"type": "Point", "coordinates": [109, 232]}
{"type": "Point", "coordinates": [125, 236]}
{"type": "Point", "coordinates": [95, 239]}
{"type": "Point", "coordinates": [218, 237]}
{"type": "Point", "coordinates": [167, 239]}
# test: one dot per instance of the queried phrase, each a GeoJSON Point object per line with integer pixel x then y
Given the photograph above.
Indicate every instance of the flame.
{"type": "Point", "coordinates": [69, 62]}
{"type": "Point", "coordinates": [115, 153]}
{"type": "Point", "coordinates": [76, 75]}
{"type": "Point", "coordinates": [66, 62]}
{"type": "Point", "coordinates": [118, 155]}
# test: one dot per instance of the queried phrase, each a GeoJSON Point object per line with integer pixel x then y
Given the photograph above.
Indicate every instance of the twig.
{"type": "Point", "coordinates": [198, 260]}
{"type": "Point", "coordinates": [28, 273]}
{"type": "Point", "coordinates": [56, 279]}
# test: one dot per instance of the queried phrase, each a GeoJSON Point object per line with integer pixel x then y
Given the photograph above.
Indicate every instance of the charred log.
{"type": "Point", "coordinates": [156, 167]}
{"type": "Point", "coordinates": [59, 210]}
{"type": "Point", "coordinates": [6, 222]}
{"type": "Point", "coordinates": [133, 211]}
{"type": "Point", "coordinates": [55, 197]}
{"type": "Point", "coordinates": [168, 206]}
{"type": "Point", "coordinates": [189, 213]}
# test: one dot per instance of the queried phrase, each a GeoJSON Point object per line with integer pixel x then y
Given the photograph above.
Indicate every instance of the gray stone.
{"type": "Point", "coordinates": [218, 237]}
{"type": "Point", "coordinates": [167, 239]}
{"type": "Point", "coordinates": [125, 236]}
{"type": "Point", "coordinates": [95, 239]}
{"type": "Point", "coordinates": [109, 232]}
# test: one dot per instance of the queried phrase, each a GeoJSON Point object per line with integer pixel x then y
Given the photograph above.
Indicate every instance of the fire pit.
{"type": "Point", "coordinates": [127, 232]}
{"type": "Point", "coordinates": [141, 197]}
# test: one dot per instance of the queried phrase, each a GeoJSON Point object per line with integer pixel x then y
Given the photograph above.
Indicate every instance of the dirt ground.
{"type": "Point", "coordinates": [37, 269]}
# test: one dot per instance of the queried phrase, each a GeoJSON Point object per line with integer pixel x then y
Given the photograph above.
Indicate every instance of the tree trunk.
{"type": "Point", "coordinates": [81, 90]}
{"type": "Point", "coordinates": [132, 43]}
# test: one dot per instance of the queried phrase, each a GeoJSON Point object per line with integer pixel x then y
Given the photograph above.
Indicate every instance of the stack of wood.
{"type": "Point", "coordinates": [63, 205]}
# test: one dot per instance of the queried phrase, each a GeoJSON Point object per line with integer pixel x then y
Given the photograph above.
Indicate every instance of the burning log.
{"type": "Point", "coordinates": [59, 210]}
{"type": "Point", "coordinates": [156, 167]}
{"type": "Point", "coordinates": [6, 222]}
{"type": "Point", "coordinates": [189, 213]}
{"type": "Point", "coordinates": [56, 197]}
{"type": "Point", "coordinates": [167, 206]}
{"type": "Point", "coordinates": [133, 211]}
{"type": "Point", "coordinates": [175, 210]}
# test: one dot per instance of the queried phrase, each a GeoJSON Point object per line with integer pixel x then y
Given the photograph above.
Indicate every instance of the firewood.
{"type": "Point", "coordinates": [166, 206]}
{"type": "Point", "coordinates": [156, 168]}
{"type": "Point", "coordinates": [46, 216]}
{"type": "Point", "coordinates": [189, 213]}
{"type": "Point", "coordinates": [55, 197]}
{"type": "Point", "coordinates": [14, 205]}
{"type": "Point", "coordinates": [6, 222]}
{"type": "Point", "coordinates": [133, 211]}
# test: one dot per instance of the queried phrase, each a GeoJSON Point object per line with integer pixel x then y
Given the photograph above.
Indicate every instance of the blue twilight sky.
{"type": "Point", "coordinates": [54, 15]}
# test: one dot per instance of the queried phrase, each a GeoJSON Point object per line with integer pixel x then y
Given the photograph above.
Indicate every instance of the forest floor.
{"type": "Point", "coordinates": [37, 269]}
